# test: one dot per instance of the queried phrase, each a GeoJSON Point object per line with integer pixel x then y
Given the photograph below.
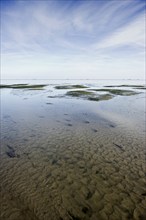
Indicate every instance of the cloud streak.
{"type": "Point", "coordinates": [73, 31]}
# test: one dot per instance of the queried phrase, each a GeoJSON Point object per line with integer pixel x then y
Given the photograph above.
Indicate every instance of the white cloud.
{"type": "Point", "coordinates": [86, 37]}
{"type": "Point", "coordinates": [132, 34]}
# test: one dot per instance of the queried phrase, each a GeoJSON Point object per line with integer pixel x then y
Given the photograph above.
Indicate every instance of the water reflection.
{"type": "Point", "coordinates": [65, 158]}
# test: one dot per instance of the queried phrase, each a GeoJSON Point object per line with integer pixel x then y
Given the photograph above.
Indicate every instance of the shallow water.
{"type": "Point", "coordinates": [67, 158]}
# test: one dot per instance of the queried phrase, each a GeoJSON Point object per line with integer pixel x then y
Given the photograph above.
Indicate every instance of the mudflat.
{"type": "Point", "coordinates": [72, 157]}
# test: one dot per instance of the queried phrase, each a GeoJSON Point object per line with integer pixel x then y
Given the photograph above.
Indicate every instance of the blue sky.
{"type": "Point", "coordinates": [73, 39]}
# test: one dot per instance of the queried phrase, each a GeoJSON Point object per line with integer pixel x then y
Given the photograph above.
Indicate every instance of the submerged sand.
{"type": "Point", "coordinates": [61, 161]}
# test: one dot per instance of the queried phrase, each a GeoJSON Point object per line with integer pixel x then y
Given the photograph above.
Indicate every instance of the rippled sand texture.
{"type": "Point", "coordinates": [73, 172]}
{"type": "Point", "coordinates": [62, 160]}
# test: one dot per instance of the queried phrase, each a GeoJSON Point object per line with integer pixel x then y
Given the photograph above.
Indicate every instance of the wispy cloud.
{"type": "Point", "coordinates": [78, 31]}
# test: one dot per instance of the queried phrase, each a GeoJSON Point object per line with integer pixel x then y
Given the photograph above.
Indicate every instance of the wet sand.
{"type": "Point", "coordinates": [62, 161]}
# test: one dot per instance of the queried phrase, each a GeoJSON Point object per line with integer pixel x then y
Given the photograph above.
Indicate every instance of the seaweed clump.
{"type": "Point", "coordinates": [79, 93]}
{"type": "Point", "coordinates": [89, 95]}
{"type": "Point", "coordinates": [140, 88]}
{"type": "Point", "coordinates": [71, 87]}
{"type": "Point", "coordinates": [132, 86]}
{"type": "Point", "coordinates": [101, 97]}
{"type": "Point", "coordinates": [118, 92]}
{"type": "Point", "coordinates": [23, 86]}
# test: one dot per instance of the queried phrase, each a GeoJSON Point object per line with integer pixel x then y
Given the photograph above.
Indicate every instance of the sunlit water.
{"type": "Point", "coordinates": [69, 158]}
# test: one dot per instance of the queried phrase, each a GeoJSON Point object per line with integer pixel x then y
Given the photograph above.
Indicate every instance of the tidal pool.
{"type": "Point", "coordinates": [66, 158]}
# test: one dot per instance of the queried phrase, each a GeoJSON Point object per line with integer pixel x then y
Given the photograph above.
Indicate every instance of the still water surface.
{"type": "Point", "coordinates": [69, 158]}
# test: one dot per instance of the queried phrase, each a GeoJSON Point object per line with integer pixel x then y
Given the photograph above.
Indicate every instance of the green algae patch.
{"type": "Point", "coordinates": [71, 87]}
{"type": "Point", "coordinates": [139, 88]}
{"type": "Point", "coordinates": [63, 87]}
{"type": "Point", "coordinates": [12, 86]}
{"type": "Point", "coordinates": [23, 86]}
{"type": "Point", "coordinates": [101, 97]}
{"type": "Point", "coordinates": [79, 86]}
{"type": "Point", "coordinates": [79, 93]}
{"type": "Point", "coordinates": [132, 86]}
{"type": "Point", "coordinates": [118, 92]}
{"type": "Point", "coordinates": [89, 95]}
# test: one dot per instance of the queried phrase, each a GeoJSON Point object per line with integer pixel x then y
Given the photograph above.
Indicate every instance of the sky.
{"type": "Point", "coordinates": [73, 39]}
